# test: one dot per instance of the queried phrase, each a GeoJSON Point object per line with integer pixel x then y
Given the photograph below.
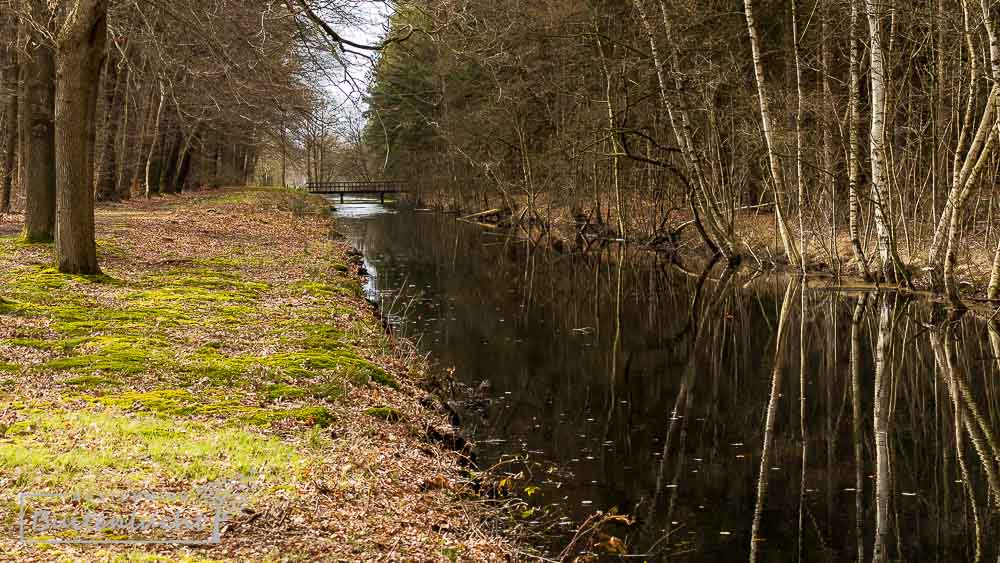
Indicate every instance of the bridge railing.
{"type": "Point", "coordinates": [388, 186]}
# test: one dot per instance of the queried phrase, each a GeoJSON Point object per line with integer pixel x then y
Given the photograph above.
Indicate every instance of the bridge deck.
{"type": "Point", "coordinates": [355, 187]}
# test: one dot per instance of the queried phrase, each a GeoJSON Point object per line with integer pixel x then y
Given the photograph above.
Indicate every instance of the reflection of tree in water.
{"type": "Point", "coordinates": [668, 381]}
{"type": "Point", "coordinates": [968, 422]}
{"type": "Point", "coordinates": [769, 423]}
{"type": "Point", "coordinates": [856, 425]}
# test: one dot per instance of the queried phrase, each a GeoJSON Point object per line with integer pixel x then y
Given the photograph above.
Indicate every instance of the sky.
{"type": "Point", "coordinates": [373, 18]}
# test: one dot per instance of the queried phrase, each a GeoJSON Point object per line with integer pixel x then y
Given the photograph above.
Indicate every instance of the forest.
{"type": "Point", "coordinates": [696, 280]}
{"type": "Point", "coordinates": [109, 100]}
{"type": "Point", "coordinates": [853, 137]}
{"type": "Point", "coordinates": [189, 370]}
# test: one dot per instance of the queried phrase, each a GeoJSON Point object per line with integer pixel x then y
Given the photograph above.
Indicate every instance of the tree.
{"type": "Point", "coordinates": [80, 52]}
{"type": "Point", "coordinates": [777, 174]}
{"type": "Point", "coordinates": [37, 131]}
{"type": "Point", "coordinates": [9, 81]}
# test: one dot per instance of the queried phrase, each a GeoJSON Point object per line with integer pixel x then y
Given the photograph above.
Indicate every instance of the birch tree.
{"type": "Point", "coordinates": [854, 145]}
{"type": "Point", "coordinates": [881, 191]}
{"type": "Point", "coordinates": [767, 124]}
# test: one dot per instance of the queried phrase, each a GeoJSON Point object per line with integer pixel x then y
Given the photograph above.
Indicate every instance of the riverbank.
{"type": "Point", "coordinates": [228, 342]}
{"type": "Point", "coordinates": [673, 232]}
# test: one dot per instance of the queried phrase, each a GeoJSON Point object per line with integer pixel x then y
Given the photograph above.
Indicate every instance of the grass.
{"type": "Point", "coordinates": [241, 348]}
{"type": "Point", "coordinates": [123, 449]}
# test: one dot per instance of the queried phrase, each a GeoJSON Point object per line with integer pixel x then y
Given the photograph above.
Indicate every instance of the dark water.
{"type": "Point", "coordinates": [712, 410]}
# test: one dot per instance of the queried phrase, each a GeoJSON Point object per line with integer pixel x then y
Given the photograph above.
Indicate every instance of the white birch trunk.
{"type": "Point", "coordinates": [881, 197]}
{"type": "Point", "coordinates": [777, 175]}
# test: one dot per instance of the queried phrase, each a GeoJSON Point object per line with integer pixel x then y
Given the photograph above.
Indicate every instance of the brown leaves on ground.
{"type": "Point", "coordinates": [363, 488]}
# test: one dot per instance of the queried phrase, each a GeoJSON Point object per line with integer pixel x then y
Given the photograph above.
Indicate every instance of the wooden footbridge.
{"type": "Point", "coordinates": [357, 187]}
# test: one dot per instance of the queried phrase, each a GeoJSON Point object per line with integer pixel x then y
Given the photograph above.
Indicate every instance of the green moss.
{"type": "Point", "coordinates": [38, 281]}
{"type": "Point", "coordinates": [92, 318]}
{"type": "Point", "coordinates": [21, 428]}
{"type": "Point", "coordinates": [86, 381]}
{"type": "Point", "coordinates": [325, 391]}
{"type": "Point", "coordinates": [345, 286]}
{"type": "Point", "coordinates": [32, 280]}
{"type": "Point", "coordinates": [146, 557]}
{"type": "Point", "coordinates": [388, 414]}
{"type": "Point", "coordinates": [319, 416]}
{"type": "Point", "coordinates": [209, 363]}
{"type": "Point", "coordinates": [233, 315]}
{"type": "Point", "coordinates": [342, 362]}
{"type": "Point", "coordinates": [314, 288]}
{"type": "Point", "coordinates": [119, 354]}
{"type": "Point", "coordinates": [182, 295]}
{"type": "Point", "coordinates": [164, 401]}
{"type": "Point", "coordinates": [123, 447]}
{"type": "Point", "coordinates": [223, 262]}
{"type": "Point", "coordinates": [281, 391]}
{"type": "Point", "coordinates": [324, 336]}
{"type": "Point", "coordinates": [303, 364]}
{"type": "Point", "coordinates": [8, 307]}
{"type": "Point", "coordinates": [108, 247]}
{"type": "Point", "coordinates": [65, 345]}
{"type": "Point", "coordinates": [205, 278]}
{"type": "Point", "coordinates": [98, 336]}
{"type": "Point", "coordinates": [351, 288]}
{"type": "Point", "coordinates": [182, 403]}
{"type": "Point", "coordinates": [362, 372]}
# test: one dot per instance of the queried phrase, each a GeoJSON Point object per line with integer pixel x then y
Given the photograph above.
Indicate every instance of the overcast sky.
{"type": "Point", "coordinates": [373, 19]}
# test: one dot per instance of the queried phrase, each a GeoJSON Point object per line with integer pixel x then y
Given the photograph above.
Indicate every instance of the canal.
{"type": "Point", "coordinates": [729, 417]}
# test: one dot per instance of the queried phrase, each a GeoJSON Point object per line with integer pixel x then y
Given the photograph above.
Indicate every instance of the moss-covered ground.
{"type": "Point", "coordinates": [227, 338]}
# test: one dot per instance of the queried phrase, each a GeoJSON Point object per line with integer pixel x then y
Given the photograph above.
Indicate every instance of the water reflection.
{"type": "Point", "coordinates": [735, 418]}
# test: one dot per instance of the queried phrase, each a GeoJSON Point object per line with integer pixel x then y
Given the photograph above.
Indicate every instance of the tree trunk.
{"type": "Point", "coordinates": [993, 290]}
{"type": "Point", "coordinates": [882, 425]}
{"type": "Point", "coordinates": [122, 143]}
{"type": "Point", "coordinates": [827, 122]}
{"type": "Point", "coordinates": [854, 149]}
{"type": "Point", "coordinates": [170, 149]}
{"type": "Point", "coordinates": [114, 107]}
{"type": "Point", "coordinates": [717, 238]}
{"type": "Point", "coordinates": [38, 153]}
{"type": "Point", "coordinates": [770, 421]}
{"type": "Point", "coordinates": [140, 152]}
{"type": "Point", "coordinates": [777, 174]}
{"type": "Point", "coordinates": [799, 172]}
{"type": "Point", "coordinates": [881, 180]}
{"type": "Point", "coordinates": [177, 180]}
{"type": "Point", "coordinates": [156, 137]}
{"type": "Point", "coordinates": [10, 80]}
{"type": "Point", "coordinates": [80, 49]}
{"type": "Point", "coordinates": [968, 167]}
{"type": "Point", "coordinates": [284, 155]}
